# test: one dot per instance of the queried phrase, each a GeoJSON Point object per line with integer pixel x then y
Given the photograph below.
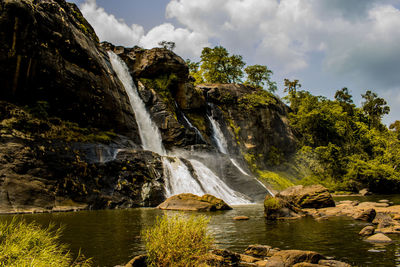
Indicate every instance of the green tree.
{"type": "Point", "coordinates": [395, 127]}
{"type": "Point", "coordinates": [291, 88]}
{"type": "Point", "coordinates": [345, 99]}
{"type": "Point", "coordinates": [217, 66]}
{"type": "Point", "coordinates": [374, 107]}
{"type": "Point", "coordinates": [167, 45]}
{"type": "Point", "coordinates": [258, 76]}
{"type": "Point", "coordinates": [194, 71]}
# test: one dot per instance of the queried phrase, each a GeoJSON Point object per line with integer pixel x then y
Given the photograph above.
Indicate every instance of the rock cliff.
{"type": "Point", "coordinates": [69, 137]}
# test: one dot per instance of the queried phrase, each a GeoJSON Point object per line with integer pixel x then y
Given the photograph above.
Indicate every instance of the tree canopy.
{"type": "Point", "coordinates": [259, 76]}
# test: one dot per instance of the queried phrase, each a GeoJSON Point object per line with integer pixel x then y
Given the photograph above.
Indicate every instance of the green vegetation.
{"type": "Point", "coordinates": [218, 66]}
{"type": "Point", "coordinates": [34, 123]}
{"type": "Point", "coordinates": [277, 180]}
{"type": "Point", "coordinates": [164, 85]}
{"type": "Point", "coordinates": [257, 99]}
{"type": "Point", "coordinates": [23, 244]}
{"type": "Point", "coordinates": [343, 146]}
{"type": "Point", "coordinates": [177, 241]}
{"type": "Point", "coordinates": [258, 76]}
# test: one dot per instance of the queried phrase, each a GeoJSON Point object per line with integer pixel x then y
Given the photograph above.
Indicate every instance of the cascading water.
{"type": "Point", "coordinates": [218, 136]}
{"type": "Point", "coordinates": [222, 146]}
{"type": "Point", "coordinates": [180, 179]}
{"type": "Point", "coordinates": [148, 131]}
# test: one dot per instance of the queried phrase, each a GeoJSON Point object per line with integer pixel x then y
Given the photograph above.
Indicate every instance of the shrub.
{"type": "Point", "coordinates": [177, 241]}
{"type": "Point", "coordinates": [23, 244]}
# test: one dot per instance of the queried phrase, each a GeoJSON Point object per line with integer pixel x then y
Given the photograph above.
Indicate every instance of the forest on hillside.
{"type": "Point", "coordinates": [340, 145]}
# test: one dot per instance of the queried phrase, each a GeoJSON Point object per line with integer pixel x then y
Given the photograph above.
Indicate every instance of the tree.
{"type": "Point", "coordinates": [217, 66]}
{"type": "Point", "coordinates": [194, 71]}
{"type": "Point", "coordinates": [291, 86]}
{"type": "Point", "coordinates": [395, 127]}
{"type": "Point", "coordinates": [167, 45]}
{"type": "Point", "coordinates": [258, 76]}
{"type": "Point", "coordinates": [374, 107]}
{"type": "Point", "coordinates": [345, 99]}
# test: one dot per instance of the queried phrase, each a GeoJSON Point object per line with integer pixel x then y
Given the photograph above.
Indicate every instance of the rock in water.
{"type": "Point", "coordinates": [367, 231]}
{"type": "Point", "coordinates": [313, 196]}
{"type": "Point", "coordinates": [192, 202]}
{"type": "Point", "coordinates": [291, 257]}
{"type": "Point", "coordinates": [278, 208]}
{"type": "Point", "coordinates": [379, 238]}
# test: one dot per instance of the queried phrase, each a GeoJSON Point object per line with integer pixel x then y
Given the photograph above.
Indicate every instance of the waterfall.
{"type": "Point", "coordinates": [180, 180]}
{"type": "Point", "coordinates": [218, 136]}
{"type": "Point", "coordinates": [148, 131]}
{"type": "Point", "coordinates": [222, 146]}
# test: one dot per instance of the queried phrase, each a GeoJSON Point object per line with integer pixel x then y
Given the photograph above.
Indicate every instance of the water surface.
{"type": "Point", "coordinates": [112, 237]}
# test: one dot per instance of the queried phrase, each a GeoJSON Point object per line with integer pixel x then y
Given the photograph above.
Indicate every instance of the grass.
{"type": "Point", "coordinates": [27, 244]}
{"type": "Point", "coordinates": [178, 241]}
{"type": "Point", "coordinates": [275, 179]}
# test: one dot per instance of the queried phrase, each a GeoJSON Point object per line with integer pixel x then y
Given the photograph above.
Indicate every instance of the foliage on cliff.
{"type": "Point", "coordinates": [343, 146]}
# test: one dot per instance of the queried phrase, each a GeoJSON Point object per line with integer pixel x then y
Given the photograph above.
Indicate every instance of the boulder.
{"type": "Point", "coordinates": [367, 231]}
{"type": "Point", "coordinates": [379, 238]}
{"type": "Point", "coordinates": [279, 208]}
{"type": "Point", "coordinates": [364, 192]}
{"type": "Point", "coordinates": [187, 201]}
{"type": "Point", "coordinates": [365, 215]}
{"type": "Point", "coordinates": [260, 251]}
{"type": "Point", "coordinates": [288, 258]}
{"type": "Point", "coordinates": [313, 196]}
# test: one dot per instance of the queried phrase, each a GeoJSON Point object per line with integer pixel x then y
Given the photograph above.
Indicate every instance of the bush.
{"type": "Point", "coordinates": [23, 244]}
{"type": "Point", "coordinates": [177, 241]}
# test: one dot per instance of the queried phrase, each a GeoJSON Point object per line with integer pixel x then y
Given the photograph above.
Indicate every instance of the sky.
{"type": "Point", "coordinates": [325, 44]}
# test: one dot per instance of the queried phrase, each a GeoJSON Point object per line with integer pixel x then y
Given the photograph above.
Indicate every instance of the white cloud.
{"type": "Point", "coordinates": [108, 27]}
{"type": "Point", "coordinates": [116, 31]}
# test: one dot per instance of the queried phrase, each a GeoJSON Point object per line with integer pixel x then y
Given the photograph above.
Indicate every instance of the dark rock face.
{"type": "Point", "coordinates": [49, 53]}
{"type": "Point", "coordinates": [265, 133]}
{"type": "Point", "coordinates": [57, 177]}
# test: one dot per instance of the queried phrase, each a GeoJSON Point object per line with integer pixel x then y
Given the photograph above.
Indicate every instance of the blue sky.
{"type": "Point", "coordinates": [326, 44]}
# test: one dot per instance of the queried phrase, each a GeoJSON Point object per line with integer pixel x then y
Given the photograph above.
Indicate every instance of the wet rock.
{"type": "Point", "coordinates": [383, 201]}
{"type": "Point", "coordinates": [230, 258]}
{"type": "Point", "coordinates": [248, 259]}
{"type": "Point", "coordinates": [314, 196]}
{"type": "Point", "coordinates": [364, 192]}
{"type": "Point", "coordinates": [379, 238]}
{"type": "Point", "coordinates": [333, 263]}
{"type": "Point", "coordinates": [291, 257]}
{"type": "Point", "coordinates": [241, 218]}
{"type": "Point", "coordinates": [279, 208]}
{"type": "Point", "coordinates": [260, 251]}
{"type": "Point", "coordinates": [366, 215]}
{"type": "Point", "coordinates": [306, 264]}
{"type": "Point", "coordinates": [367, 231]}
{"type": "Point", "coordinates": [138, 261]}
{"type": "Point", "coordinates": [192, 202]}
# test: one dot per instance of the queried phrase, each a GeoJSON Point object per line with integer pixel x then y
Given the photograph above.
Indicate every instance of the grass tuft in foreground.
{"type": "Point", "coordinates": [27, 244]}
{"type": "Point", "coordinates": [178, 241]}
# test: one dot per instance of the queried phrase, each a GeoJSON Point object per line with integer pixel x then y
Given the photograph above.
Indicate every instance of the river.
{"type": "Point", "coordinates": [112, 237]}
